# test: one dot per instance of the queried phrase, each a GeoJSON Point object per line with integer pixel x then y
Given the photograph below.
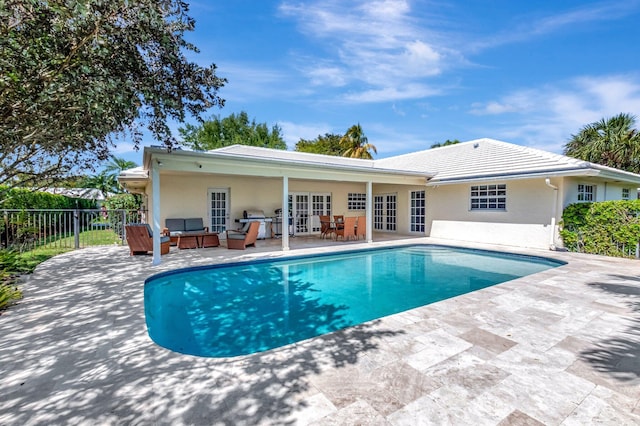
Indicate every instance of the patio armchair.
{"type": "Point", "coordinates": [348, 230]}
{"type": "Point", "coordinates": [361, 228]}
{"type": "Point", "coordinates": [239, 240]}
{"type": "Point", "coordinates": [140, 239]}
{"type": "Point", "coordinates": [326, 227]}
{"type": "Point", "coordinates": [338, 221]}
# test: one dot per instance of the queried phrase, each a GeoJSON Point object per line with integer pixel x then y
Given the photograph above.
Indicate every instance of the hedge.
{"type": "Point", "coordinates": [22, 199]}
{"type": "Point", "coordinates": [610, 228]}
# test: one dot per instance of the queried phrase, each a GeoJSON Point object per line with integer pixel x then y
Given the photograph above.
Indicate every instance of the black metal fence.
{"type": "Point", "coordinates": [25, 230]}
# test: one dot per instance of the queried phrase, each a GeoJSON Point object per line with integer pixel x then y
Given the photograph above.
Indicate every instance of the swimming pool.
{"type": "Point", "coordinates": [236, 309]}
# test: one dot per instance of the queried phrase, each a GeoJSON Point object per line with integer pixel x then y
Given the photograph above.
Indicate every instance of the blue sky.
{"type": "Point", "coordinates": [414, 73]}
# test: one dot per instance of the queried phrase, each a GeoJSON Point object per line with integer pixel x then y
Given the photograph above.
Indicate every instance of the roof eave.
{"type": "Point", "coordinates": [586, 170]}
{"type": "Point", "coordinates": [209, 155]}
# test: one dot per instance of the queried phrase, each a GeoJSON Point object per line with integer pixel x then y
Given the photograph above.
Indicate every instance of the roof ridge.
{"type": "Point", "coordinates": [229, 148]}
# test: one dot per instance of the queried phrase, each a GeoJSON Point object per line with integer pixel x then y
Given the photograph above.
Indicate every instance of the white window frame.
{"type": "Point", "coordinates": [488, 197]}
{"type": "Point", "coordinates": [625, 193]}
{"type": "Point", "coordinates": [385, 212]}
{"type": "Point", "coordinates": [356, 201]}
{"type": "Point", "coordinates": [586, 193]}
{"type": "Point", "coordinates": [417, 211]}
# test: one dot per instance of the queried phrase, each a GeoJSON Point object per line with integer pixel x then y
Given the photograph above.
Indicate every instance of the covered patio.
{"type": "Point", "coordinates": [218, 185]}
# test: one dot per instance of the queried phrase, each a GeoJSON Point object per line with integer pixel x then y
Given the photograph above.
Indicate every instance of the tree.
{"type": "Point", "coordinates": [231, 130]}
{"type": "Point", "coordinates": [445, 143]}
{"type": "Point", "coordinates": [106, 183]}
{"type": "Point", "coordinates": [356, 144]}
{"type": "Point", "coordinates": [116, 165]}
{"type": "Point", "coordinates": [329, 144]}
{"type": "Point", "coordinates": [612, 142]}
{"type": "Point", "coordinates": [76, 75]}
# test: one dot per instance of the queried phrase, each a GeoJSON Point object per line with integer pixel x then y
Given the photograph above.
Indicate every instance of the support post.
{"type": "Point", "coordinates": [76, 227]}
{"type": "Point", "coordinates": [369, 212]}
{"type": "Point", "coordinates": [155, 206]}
{"type": "Point", "coordinates": [285, 213]}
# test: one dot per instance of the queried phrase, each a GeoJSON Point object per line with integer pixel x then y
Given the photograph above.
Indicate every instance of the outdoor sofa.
{"type": "Point", "coordinates": [178, 227]}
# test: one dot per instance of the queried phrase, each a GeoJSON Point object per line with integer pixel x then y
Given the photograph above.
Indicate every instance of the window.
{"type": "Point", "coordinates": [417, 208]}
{"type": "Point", "coordinates": [489, 197]}
{"type": "Point", "coordinates": [585, 192]}
{"type": "Point", "coordinates": [356, 201]}
{"type": "Point", "coordinates": [625, 193]}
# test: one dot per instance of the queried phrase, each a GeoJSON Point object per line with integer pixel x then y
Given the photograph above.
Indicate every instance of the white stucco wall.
{"type": "Point", "coordinates": [604, 190]}
{"type": "Point", "coordinates": [184, 195]}
{"type": "Point", "coordinates": [526, 221]}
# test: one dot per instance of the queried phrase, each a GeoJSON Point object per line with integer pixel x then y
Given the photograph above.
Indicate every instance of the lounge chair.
{"type": "Point", "coordinates": [348, 230]}
{"type": "Point", "coordinates": [239, 240]}
{"type": "Point", "coordinates": [140, 239]}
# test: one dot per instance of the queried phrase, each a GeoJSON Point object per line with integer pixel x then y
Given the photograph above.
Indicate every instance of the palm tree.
{"type": "Point", "coordinates": [356, 144]}
{"type": "Point", "coordinates": [612, 142]}
{"type": "Point", "coordinates": [104, 182]}
{"type": "Point", "coordinates": [117, 165]}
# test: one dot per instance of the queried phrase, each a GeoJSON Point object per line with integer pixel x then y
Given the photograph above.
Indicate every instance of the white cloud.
{"type": "Point", "coordinates": [531, 26]}
{"type": "Point", "coordinates": [378, 44]}
{"type": "Point", "coordinates": [327, 76]}
{"type": "Point", "coordinates": [411, 91]}
{"type": "Point", "coordinates": [293, 132]}
{"type": "Point", "coordinates": [547, 116]}
{"type": "Point", "coordinates": [248, 81]}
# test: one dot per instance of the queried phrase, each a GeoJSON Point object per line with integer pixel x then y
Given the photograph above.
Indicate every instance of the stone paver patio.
{"type": "Point", "coordinates": [558, 347]}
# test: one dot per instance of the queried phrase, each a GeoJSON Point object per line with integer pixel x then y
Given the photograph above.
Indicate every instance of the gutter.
{"type": "Point", "coordinates": [573, 171]}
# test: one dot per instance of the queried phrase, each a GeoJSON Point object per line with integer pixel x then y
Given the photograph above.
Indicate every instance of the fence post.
{"type": "Point", "coordinates": [638, 250]}
{"type": "Point", "coordinates": [122, 229]}
{"type": "Point", "coordinates": [6, 229]}
{"type": "Point", "coordinates": [76, 228]}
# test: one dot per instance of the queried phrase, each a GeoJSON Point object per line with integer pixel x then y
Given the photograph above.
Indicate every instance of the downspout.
{"type": "Point", "coordinates": [552, 245]}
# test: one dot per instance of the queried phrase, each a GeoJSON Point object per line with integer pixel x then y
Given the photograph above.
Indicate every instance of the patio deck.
{"type": "Point", "coordinates": [558, 347]}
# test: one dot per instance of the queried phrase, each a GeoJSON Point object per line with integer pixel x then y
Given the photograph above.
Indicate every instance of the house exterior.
{"type": "Point", "coordinates": [479, 191]}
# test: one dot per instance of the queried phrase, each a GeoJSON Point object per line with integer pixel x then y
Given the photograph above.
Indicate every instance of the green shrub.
{"type": "Point", "coordinates": [22, 199]}
{"type": "Point", "coordinates": [9, 266]}
{"type": "Point", "coordinates": [9, 293]}
{"type": "Point", "coordinates": [610, 228]}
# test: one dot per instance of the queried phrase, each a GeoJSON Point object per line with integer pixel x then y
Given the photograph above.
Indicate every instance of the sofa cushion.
{"type": "Point", "coordinates": [174, 225]}
{"type": "Point", "coordinates": [193, 224]}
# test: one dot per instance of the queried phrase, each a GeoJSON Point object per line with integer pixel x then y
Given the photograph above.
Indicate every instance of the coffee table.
{"type": "Point", "coordinates": [209, 239]}
{"type": "Point", "coordinates": [188, 241]}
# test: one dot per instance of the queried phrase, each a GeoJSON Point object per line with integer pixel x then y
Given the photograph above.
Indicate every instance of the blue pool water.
{"type": "Point", "coordinates": [242, 308]}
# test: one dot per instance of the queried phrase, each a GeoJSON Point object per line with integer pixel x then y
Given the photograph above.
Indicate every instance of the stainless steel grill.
{"type": "Point", "coordinates": [257, 216]}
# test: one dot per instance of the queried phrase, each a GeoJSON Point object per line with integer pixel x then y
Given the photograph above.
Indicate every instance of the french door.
{"type": "Point", "coordinates": [385, 210]}
{"type": "Point", "coordinates": [218, 206]}
{"type": "Point", "coordinates": [305, 205]}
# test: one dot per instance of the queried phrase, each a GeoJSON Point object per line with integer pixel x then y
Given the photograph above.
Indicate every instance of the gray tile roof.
{"type": "Point", "coordinates": [294, 156]}
{"type": "Point", "coordinates": [489, 158]}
